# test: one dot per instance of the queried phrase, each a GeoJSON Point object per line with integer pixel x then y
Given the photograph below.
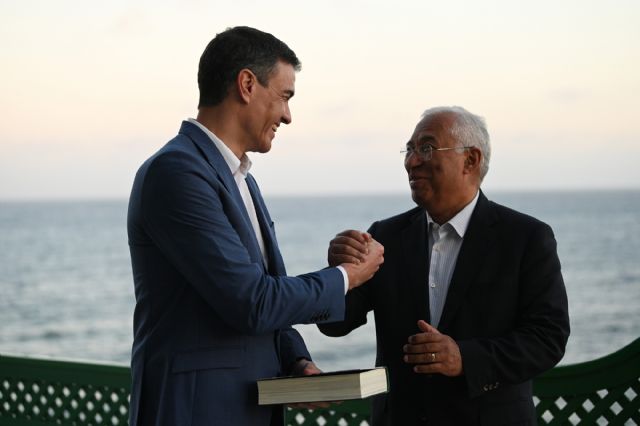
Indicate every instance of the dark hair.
{"type": "Point", "coordinates": [233, 50]}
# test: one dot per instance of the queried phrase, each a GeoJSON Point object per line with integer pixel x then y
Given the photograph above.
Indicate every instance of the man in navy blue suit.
{"type": "Point", "coordinates": [470, 304]}
{"type": "Point", "coordinates": [214, 306]}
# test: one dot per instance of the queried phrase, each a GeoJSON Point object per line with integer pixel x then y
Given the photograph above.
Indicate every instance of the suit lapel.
{"type": "Point", "coordinates": [208, 149]}
{"type": "Point", "coordinates": [477, 240]}
{"type": "Point", "coordinates": [276, 264]}
{"type": "Point", "coordinates": [416, 259]}
{"type": "Point", "coordinates": [215, 158]}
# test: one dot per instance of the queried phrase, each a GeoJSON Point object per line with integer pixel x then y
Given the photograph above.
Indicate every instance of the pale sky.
{"type": "Point", "coordinates": [89, 89]}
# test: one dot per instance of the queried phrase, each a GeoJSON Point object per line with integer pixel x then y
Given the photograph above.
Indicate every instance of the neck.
{"type": "Point", "coordinates": [444, 216]}
{"type": "Point", "coordinates": [446, 213]}
{"type": "Point", "coordinates": [222, 120]}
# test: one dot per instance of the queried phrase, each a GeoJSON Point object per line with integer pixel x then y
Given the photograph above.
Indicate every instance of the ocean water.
{"type": "Point", "coordinates": [66, 288]}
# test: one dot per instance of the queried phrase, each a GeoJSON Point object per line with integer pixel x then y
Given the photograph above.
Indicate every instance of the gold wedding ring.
{"type": "Point", "coordinates": [433, 356]}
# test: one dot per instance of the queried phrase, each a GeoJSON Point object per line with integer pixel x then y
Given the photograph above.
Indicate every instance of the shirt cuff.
{"type": "Point", "coordinates": [346, 278]}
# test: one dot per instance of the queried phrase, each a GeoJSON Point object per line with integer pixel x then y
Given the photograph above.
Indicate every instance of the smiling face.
{"type": "Point", "coordinates": [270, 107]}
{"type": "Point", "coordinates": [444, 184]}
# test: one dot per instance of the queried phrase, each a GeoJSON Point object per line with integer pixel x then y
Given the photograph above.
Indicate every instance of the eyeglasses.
{"type": "Point", "coordinates": [425, 152]}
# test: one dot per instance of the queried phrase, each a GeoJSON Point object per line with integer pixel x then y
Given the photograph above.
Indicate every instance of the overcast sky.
{"type": "Point", "coordinates": [89, 89]}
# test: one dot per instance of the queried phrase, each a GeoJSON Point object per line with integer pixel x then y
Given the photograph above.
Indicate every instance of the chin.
{"type": "Point", "coordinates": [263, 148]}
{"type": "Point", "coordinates": [420, 199]}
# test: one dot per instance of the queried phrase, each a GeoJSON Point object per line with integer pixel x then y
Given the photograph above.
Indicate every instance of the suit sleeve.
{"type": "Point", "coordinates": [190, 217]}
{"type": "Point", "coordinates": [358, 301]}
{"type": "Point", "coordinates": [538, 340]}
{"type": "Point", "coordinates": [292, 348]}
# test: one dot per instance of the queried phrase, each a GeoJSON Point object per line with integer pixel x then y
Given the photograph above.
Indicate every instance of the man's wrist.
{"type": "Point", "coordinates": [345, 277]}
{"type": "Point", "coordinates": [299, 365]}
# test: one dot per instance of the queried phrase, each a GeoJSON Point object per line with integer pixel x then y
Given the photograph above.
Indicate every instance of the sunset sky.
{"type": "Point", "coordinates": [88, 90]}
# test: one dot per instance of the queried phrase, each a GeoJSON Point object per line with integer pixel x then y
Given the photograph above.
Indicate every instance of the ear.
{"type": "Point", "coordinates": [246, 83]}
{"type": "Point", "coordinates": [472, 161]}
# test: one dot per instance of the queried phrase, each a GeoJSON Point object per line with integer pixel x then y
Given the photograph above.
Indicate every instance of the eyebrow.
{"type": "Point", "coordinates": [427, 139]}
{"type": "Point", "coordinates": [424, 139]}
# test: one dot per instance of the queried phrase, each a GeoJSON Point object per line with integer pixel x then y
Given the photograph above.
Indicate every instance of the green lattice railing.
{"type": "Point", "coordinates": [348, 413]}
{"type": "Point", "coordinates": [53, 392]}
{"type": "Point", "coordinates": [42, 392]}
{"type": "Point", "coordinates": [605, 391]}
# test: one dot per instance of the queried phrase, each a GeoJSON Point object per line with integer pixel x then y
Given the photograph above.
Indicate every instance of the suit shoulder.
{"type": "Point", "coordinates": [179, 155]}
{"type": "Point", "coordinates": [516, 218]}
{"type": "Point", "coordinates": [177, 150]}
{"type": "Point", "coordinates": [177, 161]}
{"type": "Point", "coordinates": [399, 221]}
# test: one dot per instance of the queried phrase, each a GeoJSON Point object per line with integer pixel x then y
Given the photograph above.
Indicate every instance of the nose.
{"type": "Point", "coordinates": [286, 116]}
{"type": "Point", "coordinates": [413, 160]}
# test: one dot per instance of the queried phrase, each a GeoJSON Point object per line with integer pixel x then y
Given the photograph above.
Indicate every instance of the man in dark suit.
{"type": "Point", "coordinates": [470, 304]}
{"type": "Point", "coordinates": [214, 306]}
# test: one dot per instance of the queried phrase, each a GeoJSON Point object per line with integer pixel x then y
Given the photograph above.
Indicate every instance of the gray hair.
{"type": "Point", "coordinates": [468, 130]}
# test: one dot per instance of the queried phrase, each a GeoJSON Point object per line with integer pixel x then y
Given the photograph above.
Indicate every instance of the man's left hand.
{"type": "Point", "coordinates": [304, 367]}
{"type": "Point", "coordinates": [433, 352]}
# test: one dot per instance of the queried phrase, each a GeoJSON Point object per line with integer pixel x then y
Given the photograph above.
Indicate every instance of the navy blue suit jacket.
{"type": "Point", "coordinates": [506, 308]}
{"type": "Point", "coordinates": [210, 317]}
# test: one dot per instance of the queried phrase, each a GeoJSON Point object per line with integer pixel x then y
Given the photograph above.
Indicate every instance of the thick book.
{"type": "Point", "coordinates": [332, 386]}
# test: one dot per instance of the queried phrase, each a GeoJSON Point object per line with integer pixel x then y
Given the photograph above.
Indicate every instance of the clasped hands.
{"type": "Point", "coordinates": [358, 253]}
{"type": "Point", "coordinates": [430, 351]}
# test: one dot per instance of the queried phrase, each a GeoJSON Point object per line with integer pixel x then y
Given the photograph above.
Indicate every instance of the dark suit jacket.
{"type": "Point", "coordinates": [210, 317]}
{"type": "Point", "coordinates": [506, 308]}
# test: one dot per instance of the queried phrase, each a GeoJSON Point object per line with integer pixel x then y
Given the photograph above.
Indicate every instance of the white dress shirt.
{"type": "Point", "coordinates": [444, 245]}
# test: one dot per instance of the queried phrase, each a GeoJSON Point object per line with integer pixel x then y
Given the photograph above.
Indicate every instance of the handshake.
{"type": "Point", "coordinates": [358, 253]}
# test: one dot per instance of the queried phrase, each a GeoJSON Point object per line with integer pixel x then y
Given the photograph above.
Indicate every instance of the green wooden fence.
{"type": "Point", "coordinates": [36, 391]}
